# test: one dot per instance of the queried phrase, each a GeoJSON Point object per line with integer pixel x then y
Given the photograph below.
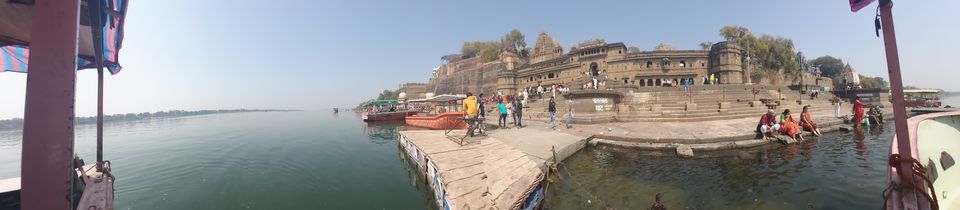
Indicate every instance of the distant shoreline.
{"type": "Point", "coordinates": [17, 123]}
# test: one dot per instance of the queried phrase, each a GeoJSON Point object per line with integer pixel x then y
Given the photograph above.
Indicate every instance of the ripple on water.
{"type": "Point", "coordinates": [837, 171]}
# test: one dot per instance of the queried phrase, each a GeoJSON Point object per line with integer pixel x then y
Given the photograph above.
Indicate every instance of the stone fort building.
{"type": "Point", "coordinates": [548, 64]}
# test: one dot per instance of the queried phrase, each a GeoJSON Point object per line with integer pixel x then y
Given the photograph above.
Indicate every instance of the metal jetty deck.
{"type": "Point", "coordinates": [484, 174]}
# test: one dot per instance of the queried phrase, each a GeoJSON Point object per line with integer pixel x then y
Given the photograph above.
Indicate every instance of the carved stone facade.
{"type": "Point", "coordinates": [548, 65]}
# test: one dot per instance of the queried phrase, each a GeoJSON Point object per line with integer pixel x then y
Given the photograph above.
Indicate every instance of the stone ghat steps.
{"type": "Point", "coordinates": [713, 114]}
{"type": "Point", "coordinates": [716, 116]}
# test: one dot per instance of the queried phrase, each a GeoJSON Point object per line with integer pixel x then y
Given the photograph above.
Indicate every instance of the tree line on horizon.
{"type": "Point", "coordinates": [17, 123]}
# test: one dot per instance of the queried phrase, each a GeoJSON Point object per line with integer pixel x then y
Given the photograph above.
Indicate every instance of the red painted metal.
{"type": "Point", "coordinates": [46, 166]}
{"type": "Point", "coordinates": [446, 120]}
{"type": "Point", "coordinates": [910, 199]}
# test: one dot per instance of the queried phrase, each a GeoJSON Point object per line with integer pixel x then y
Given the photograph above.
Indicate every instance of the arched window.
{"type": "Point", "coordinates": [550, 76]}
{"type": "Point", "coordinates": [643, 83]}
{"type": "Point", "coordinates": [659, 82]}
{"type": "Point", "coordinates": [683, 63]}
{"type": "Point", "coordinates": [649, 64]}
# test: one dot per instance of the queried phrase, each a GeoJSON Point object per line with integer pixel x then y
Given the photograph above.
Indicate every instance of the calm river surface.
{"type": "Point", "coordinates": [316, 160]}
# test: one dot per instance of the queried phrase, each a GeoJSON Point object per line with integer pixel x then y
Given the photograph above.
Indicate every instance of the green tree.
{"type": "Point", "coordinates": [771, 52]}
{"type": "Point", "coordinates": [829, 66]}
{"type": "Point", "coordinates": [514, 40]}
{"type": "Point", "coordinates": [663, 47]}
{"type": "Point", "coordinates": [706, 45]}
{"type": "Point", "coordinates": [735, 33]}
{"type": "Point", "coordinates": [388, 94]}
{"type": "Point", "coordinates": [881, 82]}
{"type": "Point", "coordinates": [490, 50]}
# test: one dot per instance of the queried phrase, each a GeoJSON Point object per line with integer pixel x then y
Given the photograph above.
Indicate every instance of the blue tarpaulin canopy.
{"type": "Point", "coordinates": [15, 28]}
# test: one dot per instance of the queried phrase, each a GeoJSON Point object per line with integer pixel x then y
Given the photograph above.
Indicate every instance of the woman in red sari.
{"type": "Point", "coordinates": [857, 112]}
{"type": "Point", "coordinates": [807, 122]}
{"type": "Point", "coordinates": [789, 126]}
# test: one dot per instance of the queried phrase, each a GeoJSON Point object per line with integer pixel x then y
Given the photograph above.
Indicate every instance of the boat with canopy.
{"type": "Point", "coordinates": [43, 39]}
{"type": "Point", "coordinates": [439, 113]}
{"type": "Point", "coordinates": [922, 171]}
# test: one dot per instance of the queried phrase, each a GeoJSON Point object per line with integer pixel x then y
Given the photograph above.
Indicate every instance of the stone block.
{"type": "Point", "coordinates": [655, 107]}
{"type": "Point", "coordinates": [756, 104]}
{"type": "Point", "coordinates": [725, 106]}
{"type": "Point", "coordinates": [684, 151]}
{"type": "Point", "coordinates": [690, 106]}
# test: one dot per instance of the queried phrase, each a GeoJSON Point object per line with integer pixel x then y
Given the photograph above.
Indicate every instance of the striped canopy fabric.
{"type": "Point", "coordinates": [15, 19]}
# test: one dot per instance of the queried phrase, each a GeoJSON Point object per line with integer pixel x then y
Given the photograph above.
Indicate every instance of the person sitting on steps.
{"type": "Point", "coordinates": [807, 122]}
{"type": "Point", "coordinates": [767, 125]}
{"type": "Point", "coordinates": [789, 126]}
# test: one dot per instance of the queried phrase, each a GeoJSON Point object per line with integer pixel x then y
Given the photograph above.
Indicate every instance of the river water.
{"type": "Point", "coordinates": [317, 160]}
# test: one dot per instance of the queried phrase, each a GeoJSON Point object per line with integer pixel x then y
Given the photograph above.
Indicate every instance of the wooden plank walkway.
{"type": "Point", "coordinates": [484, 174]}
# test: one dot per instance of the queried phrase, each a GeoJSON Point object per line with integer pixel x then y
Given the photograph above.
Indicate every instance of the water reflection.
{"type": "Point", "coordinates": [382, 132]}
{"type": "Point", "coordinates": [836, 171]}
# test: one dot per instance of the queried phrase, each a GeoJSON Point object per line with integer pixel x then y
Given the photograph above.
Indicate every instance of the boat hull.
{"type": "Point", "coordinates": [443, 121]}
{"type": "Point", "coordinates": [387, 116]}
{"type": "Point", "coordinates": [935, 141]}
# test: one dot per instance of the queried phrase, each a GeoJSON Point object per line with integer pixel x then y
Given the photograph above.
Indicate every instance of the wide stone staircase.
{"type": "Point", "coordinates": [700, 103]}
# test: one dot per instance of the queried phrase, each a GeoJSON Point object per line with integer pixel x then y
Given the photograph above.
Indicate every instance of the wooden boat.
{"type": "Point", "coordinates": [927, 98]}
{"type": "Point", "coordinates": [935, 145]}
{"type": "Point", "coordinates": [438, 112]}
{"type": "Point", "coordinates": [443, 121]}
{"type": "Point", "coordinates": [386, 116]}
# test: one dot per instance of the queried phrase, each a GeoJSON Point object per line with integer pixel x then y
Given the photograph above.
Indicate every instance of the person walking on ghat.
{"type": "Point", "coordinates": [483, 111]}
{"type": "Point", "coordinates": [569, 113]}
{"type": "Point", "coordinates": [552, 109]}
{"type": "Point", "coordinates": [502, 121]}
{"type": "Point", "coordinates": [518, 112]}
{"type": "Point", "coordinates": [857, 112]}
{"type": "Point", "coordinates": [836, 105]}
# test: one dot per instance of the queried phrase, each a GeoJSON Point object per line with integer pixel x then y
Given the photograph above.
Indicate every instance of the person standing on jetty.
{"type": "Point", "coordinates": [518, 113]}
{"type": "Point", "coordinates": [569, 113]}
{"type": "Point", "coordinates": [857, 112]}
{"type": "Point", "coordinates": [836, 105]}
{"type": "Point", "coordinates": [510, 110]}
{"type": "Point", "coordinates": [502, 121]}
{"type": "Point", "coordinates": [552, 108]}
{"type": "Point", "coordinates": [480, 107]}
{"type": "Point", "coordinates": [471, 113]}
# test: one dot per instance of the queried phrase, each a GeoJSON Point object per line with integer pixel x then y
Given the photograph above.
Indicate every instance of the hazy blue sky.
{"type": "Point", "coordinates": [309, 54]}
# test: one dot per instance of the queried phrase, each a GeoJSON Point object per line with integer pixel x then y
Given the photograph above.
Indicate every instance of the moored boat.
{"type": "Point", "coordinates": [386, 116]}
{"type": "Point", "coordinates": [439, 112]}
{"type": "Point", "coordinates": [935, 145]}
{"type": "Point", "coordinates": [923, 98]}
{"type": "Point", "coordinates": [445, 121]}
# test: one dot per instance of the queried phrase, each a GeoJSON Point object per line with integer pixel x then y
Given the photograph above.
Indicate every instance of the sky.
{"type": "Point", "coordinates": [314, 55]}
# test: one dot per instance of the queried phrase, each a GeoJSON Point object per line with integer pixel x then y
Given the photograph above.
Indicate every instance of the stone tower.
{"type": "Point", "coordinates": [725, 62]}
{"type": "Point", "coordinates": [506, 78]}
